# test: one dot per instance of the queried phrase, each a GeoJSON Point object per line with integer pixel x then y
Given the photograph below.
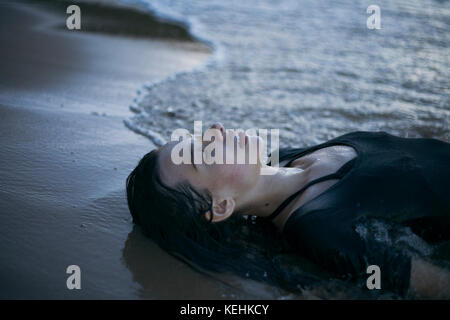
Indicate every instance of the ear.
{"type": "Point", "coordinates": [221, 209]}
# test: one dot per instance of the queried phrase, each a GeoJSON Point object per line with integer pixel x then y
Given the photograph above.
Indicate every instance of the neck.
{"type": "Point", "coordinates": [271, 190]}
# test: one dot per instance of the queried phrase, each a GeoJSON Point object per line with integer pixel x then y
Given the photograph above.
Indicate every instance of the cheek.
{"type": "Point", "coordinates": [237, 177]}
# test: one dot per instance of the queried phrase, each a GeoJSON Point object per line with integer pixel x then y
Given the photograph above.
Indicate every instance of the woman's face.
{"type": "Point", "coordinates": [232, 174]}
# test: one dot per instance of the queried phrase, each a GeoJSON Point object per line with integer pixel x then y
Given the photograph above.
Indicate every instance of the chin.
{"type": "Point", "coordinates": [258, 145]}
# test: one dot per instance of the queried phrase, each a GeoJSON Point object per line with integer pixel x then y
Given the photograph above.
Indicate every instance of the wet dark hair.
{"type": "Point", "coordinates": [175, 219]}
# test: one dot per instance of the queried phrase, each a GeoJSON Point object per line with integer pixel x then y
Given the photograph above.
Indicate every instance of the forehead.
{"type": "Point", "coordinates": [171, 174]}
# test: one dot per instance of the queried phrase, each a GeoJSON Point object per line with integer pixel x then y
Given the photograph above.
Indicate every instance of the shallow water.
{"type": "Point", "coordinates": [315, 71]}
{"type": "Point", "coordinates": [309, 68]}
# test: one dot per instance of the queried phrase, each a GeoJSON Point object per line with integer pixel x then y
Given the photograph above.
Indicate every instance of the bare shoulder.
{"type": "Point", "coordinates": [315, 165]}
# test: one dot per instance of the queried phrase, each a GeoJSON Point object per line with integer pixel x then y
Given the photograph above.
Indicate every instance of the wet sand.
{"type": "Point", "coordinates": [66, 154]}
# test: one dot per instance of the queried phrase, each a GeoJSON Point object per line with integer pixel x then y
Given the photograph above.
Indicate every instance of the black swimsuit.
{"type": "Point", "coordinates": [399, 180]}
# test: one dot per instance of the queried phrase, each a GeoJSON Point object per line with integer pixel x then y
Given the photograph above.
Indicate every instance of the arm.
{"type": "Point", "coordinates": [428, 281]}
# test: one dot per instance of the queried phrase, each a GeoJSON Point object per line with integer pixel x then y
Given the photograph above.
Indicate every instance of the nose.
{"type": "Point", "coordinates": [218, 126]}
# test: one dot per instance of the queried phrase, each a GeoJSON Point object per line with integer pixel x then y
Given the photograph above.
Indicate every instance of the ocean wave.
{"type": "Point", "coordinates": [311, 69]}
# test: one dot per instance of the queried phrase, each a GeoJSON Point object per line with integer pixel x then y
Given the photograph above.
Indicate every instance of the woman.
{"type": "Point", "coordinates": [322, 200]}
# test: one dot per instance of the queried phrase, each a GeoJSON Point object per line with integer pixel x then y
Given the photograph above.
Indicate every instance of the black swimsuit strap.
{"type": "Point", "coordinates": [337, 175]}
